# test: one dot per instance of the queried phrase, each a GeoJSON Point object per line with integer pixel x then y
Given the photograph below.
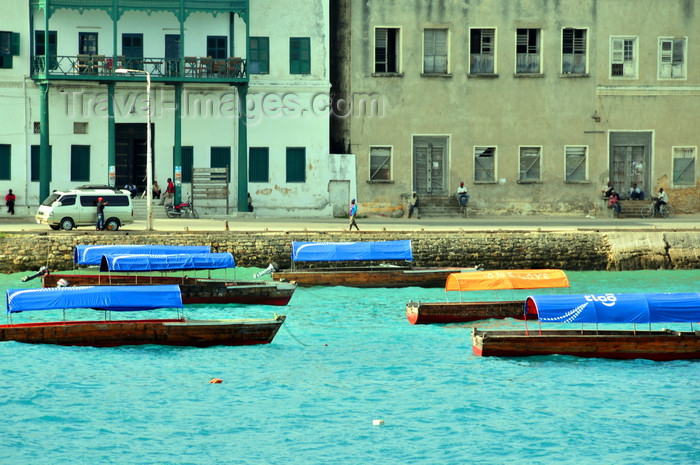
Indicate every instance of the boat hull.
{"type": "Point", "coordinates": [364, 277]}
{"type": "Point", "coordinates": [419, 313]}
{"type": "Point", "coordinates": [194, 290]}
{"type": "Point", "coordinates": [194, 333]}
{"type": "Point", "coordinates": [652, 345]}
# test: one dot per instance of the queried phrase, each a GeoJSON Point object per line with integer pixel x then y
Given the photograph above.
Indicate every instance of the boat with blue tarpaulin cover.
{"type": "Point", "coordinates": [108, 332]}
{"type": "Point", "coordinates": [635, 309]}
{"type": "Point", "coordinates": [387, 264]}
{"type": "Point", "coordinates": [140, 265]}
{"type": "Point", "coordinates": [419, 313]}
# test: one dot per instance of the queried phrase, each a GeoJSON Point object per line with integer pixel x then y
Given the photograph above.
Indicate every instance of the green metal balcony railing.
{"type": "Point", "coordinates": [101, 67]}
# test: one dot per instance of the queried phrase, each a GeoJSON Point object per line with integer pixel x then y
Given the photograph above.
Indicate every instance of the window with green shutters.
{"type": "Point", "coordinates": [300, 55]}
{"type": "Point", "coordinates": [187, 153]}
{"type": "Point", "coordinates": [34, 169]}
{"type": "Point", "coordinates": [9, 47]}
{"type": "Point", "coordinates": [221, 158]}
{"type": "Point", "coordinates": [259, 61]}
{"type": "Point", "coordinates": [259, 164]}
{"type": "Point", "coordinates": [5, 165]}
{"type": "Point", "coordinates": [80, 163]}
{"type": "Point", "coordinates": [296, 164]}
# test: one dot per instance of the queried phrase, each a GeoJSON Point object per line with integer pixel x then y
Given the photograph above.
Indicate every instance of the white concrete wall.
{"type": "Point", "coordinates": [287, 110]}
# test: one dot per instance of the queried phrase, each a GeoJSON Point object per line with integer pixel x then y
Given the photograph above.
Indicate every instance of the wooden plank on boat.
{"type": "Point", "coordinates": [194, 290]}
{"type": "Point", "coordinates": [652, 345]}
{"type": "Point", "coordinates": [419, 313]}
{"type": "Point", "coordinates": [196, 333]}
{"type": "Point", "coordinates": [377, 277]}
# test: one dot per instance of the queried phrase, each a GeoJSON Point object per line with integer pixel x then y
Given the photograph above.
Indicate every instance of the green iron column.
{"type": "Point", "coordinates": [177, 145]}
{"type": "Point", "coordinates": [44, 148]}
{"type": "Point", "coordinates": [111, 140]}
{"type": "Point", "coordinates": [242, 150]}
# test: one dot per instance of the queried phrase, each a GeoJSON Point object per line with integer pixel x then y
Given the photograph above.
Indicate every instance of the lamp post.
{"type": "Point", "coordinates": [149, 163]}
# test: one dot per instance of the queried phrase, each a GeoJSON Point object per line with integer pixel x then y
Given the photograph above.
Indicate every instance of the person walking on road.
{"type": "Point", "coordinates": [414, 207]}
{"type": "Point", "coordinates": [351, 213]}
{"type": "Point", "coordinates": [10, 202]}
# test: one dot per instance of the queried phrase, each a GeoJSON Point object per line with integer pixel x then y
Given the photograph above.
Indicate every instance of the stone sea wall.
{"type": "Point", "coordinates": [573, 251]}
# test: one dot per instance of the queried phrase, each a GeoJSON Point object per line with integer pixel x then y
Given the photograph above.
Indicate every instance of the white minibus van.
{"type": "Point", "coordinates": [78, 207]}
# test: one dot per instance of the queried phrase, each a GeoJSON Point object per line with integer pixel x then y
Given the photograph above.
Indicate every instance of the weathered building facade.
{"type": "Point", "coordinates": [229, 88]}
{"type": "Point", "coordinates": [534, 104]}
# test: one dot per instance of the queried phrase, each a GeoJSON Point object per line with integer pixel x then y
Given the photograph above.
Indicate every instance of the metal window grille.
{"type": "Point", "coordinates": [380, 164]}
{"type": "Point", "coordinates": [576, 163]}
{"type": "Point", "coordinates": [485, 164]}
{"type": "Point", "coordinates": [684, 166]}
{"type": "Point", "coordinates": [529, 164]}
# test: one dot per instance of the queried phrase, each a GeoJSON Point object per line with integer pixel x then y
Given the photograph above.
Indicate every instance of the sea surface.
{"type": "Point", "coordinates": [344, 358]}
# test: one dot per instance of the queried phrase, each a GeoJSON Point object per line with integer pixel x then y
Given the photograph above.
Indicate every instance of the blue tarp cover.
{"type": "Point", "coordinates": [167, 262]}
{"type": "Point", "coordinates": [117, 298]}
{"type": "Point", "coordinates": [92, 254]}
{"type": "Point", "coordinates": [338, 251]}
{"type": "Point", "coordinates": [616, 308]}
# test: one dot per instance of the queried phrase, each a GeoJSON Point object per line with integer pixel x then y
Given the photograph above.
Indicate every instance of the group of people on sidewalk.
{"type": "Point", "coordinates": [635, 193]}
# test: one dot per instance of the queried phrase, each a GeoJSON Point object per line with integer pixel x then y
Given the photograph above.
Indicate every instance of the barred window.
{"type": "Point", "coordinates": [380, 164]}
{"type": "Point", "coordinates": [529, 164]}
{"type": "Point", "coordinates": [576, 164]}
{"type": "Point", "coordinates": [684, 166]}
{"type": "Point", "coordinates": [484, 164]}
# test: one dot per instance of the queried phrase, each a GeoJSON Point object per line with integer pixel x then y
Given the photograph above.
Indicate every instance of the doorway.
{"type": "Point", "coordinates": [130, 167]}
{"type": "Point", "coordinates": [87, 43]}
{"type": "Point", "coordinates": [132, 49]}
{"type": "Point", "coordinates": [339, 195]}
{"type": "Point", "coordinates": [430, 165]}
{"type": "Point", "coordinates": [172, 54]}
{"type": "Point", "coordinates": [630, 158]}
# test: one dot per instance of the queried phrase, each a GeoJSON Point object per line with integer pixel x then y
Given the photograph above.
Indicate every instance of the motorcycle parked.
{"type": "Point", "coordinates": [184, 209]}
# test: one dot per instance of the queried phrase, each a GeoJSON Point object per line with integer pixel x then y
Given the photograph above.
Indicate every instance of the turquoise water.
{"type": "Point", "coordinates": [344, 358]}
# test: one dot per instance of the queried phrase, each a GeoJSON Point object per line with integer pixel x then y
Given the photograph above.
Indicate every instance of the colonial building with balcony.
{"type": "Point", "coordinates": [240, 85]}
{"type": "Point", "coordinates": [534, 105]}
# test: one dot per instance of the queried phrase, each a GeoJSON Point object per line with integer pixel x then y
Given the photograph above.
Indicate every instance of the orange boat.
{"type": "Point", "coordinates": [495, 280]}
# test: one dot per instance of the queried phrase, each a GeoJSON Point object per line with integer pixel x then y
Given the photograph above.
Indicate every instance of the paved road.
{"type": "Point", "coordinates": [247, 222]}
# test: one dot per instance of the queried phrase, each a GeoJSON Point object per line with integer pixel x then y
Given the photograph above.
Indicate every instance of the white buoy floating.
{"type": "Point", "coordinates": [377, 422]}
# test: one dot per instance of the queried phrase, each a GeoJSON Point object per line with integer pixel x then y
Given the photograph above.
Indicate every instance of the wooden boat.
{"type": "Point", "coordinates": [122, 264]}
{"type": "Point", "coordinates": [373, 275]}
{"type": "Point", "coordinates": [419, 313]}
{"type": "Point", "coordinates": [665, 344]}
{"type": "Point", "coordinates": [108, 333]}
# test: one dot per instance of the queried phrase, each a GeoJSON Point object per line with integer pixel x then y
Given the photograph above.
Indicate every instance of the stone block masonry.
{"type": "Point", "coordinates": [572, 251]}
